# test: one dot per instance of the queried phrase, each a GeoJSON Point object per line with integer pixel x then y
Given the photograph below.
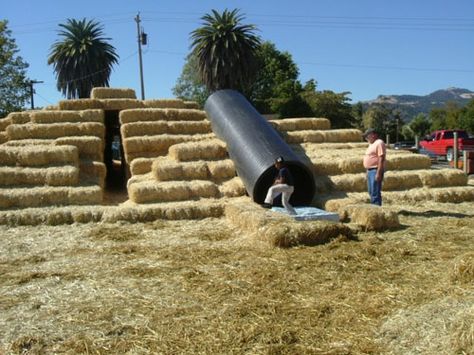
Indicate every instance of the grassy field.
{"type": "Point", "coordinates": [201, 287]}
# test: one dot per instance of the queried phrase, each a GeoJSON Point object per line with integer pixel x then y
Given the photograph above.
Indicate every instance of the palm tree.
{"type": "Point", "coordinates": [226, 51]}
{"type": "Point", "coordinates": [82, 58]}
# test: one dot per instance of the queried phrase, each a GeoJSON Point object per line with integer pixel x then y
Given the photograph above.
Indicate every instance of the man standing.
{"type": "Point", "coordinates": [284, 185]}
{"type": "Point", "coordinates": [374, 163]}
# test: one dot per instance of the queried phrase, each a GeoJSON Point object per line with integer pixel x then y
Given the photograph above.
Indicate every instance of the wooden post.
{"type": "Point", "coordinates": [464, 161]}
{"type": "Point", "coordinates": [387, 140]}
{"type": "Point", "coordinates": [417, 142]}
{"type": "Point", "coordinates": [455, 150]}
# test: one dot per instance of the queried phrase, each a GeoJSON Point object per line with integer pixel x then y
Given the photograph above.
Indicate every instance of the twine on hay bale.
{"type": "Point", "coordinates": [280, 230]}
{"type": "Point", "coordinates": [158, 114]}
{"type": "Point", "coordinates": [42, 155]}
{"type": "Point", "coordinates": [112, 93]}
{"type": "Point", "coordinates": [212, 149]}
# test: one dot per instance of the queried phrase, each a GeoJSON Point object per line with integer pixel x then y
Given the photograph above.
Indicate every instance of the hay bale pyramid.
{"type": "Point", "coordinates": [53, 163]}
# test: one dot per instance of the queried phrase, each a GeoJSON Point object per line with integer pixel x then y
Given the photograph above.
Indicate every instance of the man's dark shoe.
{"type": "Point", "coordinates": [266, 205]}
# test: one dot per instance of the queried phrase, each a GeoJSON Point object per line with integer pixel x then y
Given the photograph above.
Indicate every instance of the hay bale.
{"type": "Point", "coordinates": [152, 191]}
{"type": "Point", "coordinates": [401, 180]}
{"type": "Point", "coordinates": [141, 166]}
{"type": "Point", "coordinates": [19, 117]}
{"type": "Point", "coordinates": [55, 130]}
{"type": "Point", "coordinates": [162, 127]}
{"type": "Point", "coordinates": [42, 117]}
{"type": "Point", "coordinates": [298, 124]}
{"type": "Point", "coordinates": [407, 161]}
{"type": "Point", "coordinates": [164, 103]}
{"type": "Point", "coordinates": [192, 105]}
{"type": "Point", "coordinates": [278, 229]}
{"type": "Point", "coordinates": [4, 123]}
{"type": "Point", "coordinates": [52, 176]}
{"type": "Point", "coordinates": [233, 188]}
{"type": "Point", "coordinates": [443, 178]}
{"type": "Point", "coordinates": [167, 170]}
{"type": "Point", "coordinates": [372, 218]}
{"type": "Point", "coordinates": [29, 142]}
{"type": "Point", "coordinates": [80, 104]}
{"type": "Point", "coordinates": [221, 169]}
{"type": "Point", "coordinates": [312, 136]}
{"type": "Point", "coordinates": [205, 150]}
{"type": "Point", "coordinates": [38, 155]}
{"type": "Point", "coordinates": [120, 104]}
{"type": "Point", "coordinates": [342, 135]}
{"type": "Point", "coordinates": [92, 172]}
{"type": "Point", "coordinates": [462, 331]}
{"type": "Point", "coordinates": [49, 196]}
{"type": "Point", "coordinates": [112, 93]}
{"type": "Point", "coordinates": [347, 146]}
{"type": "Point", "coordinates": [157, 114]}
{"type": "Point", "coordinates": [88, 147]}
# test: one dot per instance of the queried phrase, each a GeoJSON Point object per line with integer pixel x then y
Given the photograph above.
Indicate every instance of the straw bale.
{"type": "Point", "coordinates": [372, 218]}
{"type": "Point", "coordinates": [299, 124]}
{"type": "Point", "coordinates": [55, 130]}
{"type": "Point", "coordinates": [192, 105]}
{"type": "Point", "coordinates": [401, 180]}
{"type": "Point", "coordinates": [162, 127]}
{"type": "Point", "coordinates": [453, 194]}
{"type": "Point", "coordinates": [443, 178]}
{"type": "Point", "coordinates": [68, 116]}
{"type": "Point", "coordinates": [280, 230]}
{"type": "Point", "coordinates": [312, 136]}
{"type": "Point", "coordinates": [89, 147]}
{"type": "Point", "coordinates": [141, 165]}
{"type": "Point", "coordinates": [38, 155]}
{"type": "Point", "coordinates": [462, 331]}
{"type": "Point", "coordinates": [221, 169]}
{"type": "Point", "coordinates": [3, 137]}
{"type": "Point", "coordinates": [4, 123]}
{"type": "Point", "coordinates": [342, 135]}
{"type": "Point", "coordinates": [159, 114]}
{"type": "Point", "coordinates": [321, 136]}
{"type": "Point", "coordinates": [112, 93]}
{"type": "Point", "coordinates": [203, 150]}
{"type": "Point", "coordinates": [51, 108]}
{"type": "Point", "coordinates": [164, 103]}
{"type": "Point", "coordinates": [139, 178]}
{"type": "Point", "coordinates": [121, 104]}
{"type": "Point", "coordinates": [462, 269]}
{"type": "Point", "coordinates": [92, 172]}
{"type": "Point", "coordinates": [80, 104]}
{"type": "Point", "coordinates": [166, 170]}
{"type": "Point", "coordinates": [333, 146]}
{"type": "Point", "coordinates": [52, 176]}
{"type": "Point", "coordinates": [152, 191]}
{"type": "Point", "coordinates": [407, 161]}
{"type": "Point", "coordinates": [49, 196]}
{"type": "Point", "coordinates": [158, 144]}
{"type": "Point", "coordinates": [19, 117]}
{"type": "Point", "coordinates": [233, 188]}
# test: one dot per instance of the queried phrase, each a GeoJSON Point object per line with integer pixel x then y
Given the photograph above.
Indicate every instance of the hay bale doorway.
{"type": "Point", "coordinates": [114, 158]}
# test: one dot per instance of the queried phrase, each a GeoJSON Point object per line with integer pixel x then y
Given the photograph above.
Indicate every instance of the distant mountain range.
{"type": "Point", "coordinates": [412, 105]}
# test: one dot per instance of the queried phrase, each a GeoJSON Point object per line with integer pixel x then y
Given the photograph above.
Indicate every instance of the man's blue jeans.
{"type": "Point", "coordinates": [375, 187]}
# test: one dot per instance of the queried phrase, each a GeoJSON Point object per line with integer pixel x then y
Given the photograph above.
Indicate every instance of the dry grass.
{"type": "Point", "coordinates": [202, 287]}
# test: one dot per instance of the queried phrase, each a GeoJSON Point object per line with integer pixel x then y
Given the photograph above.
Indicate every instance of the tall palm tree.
{"type": "Point", "coordinates": [82, 58]}
{"type": "Point", "coordinates": [226, 50]}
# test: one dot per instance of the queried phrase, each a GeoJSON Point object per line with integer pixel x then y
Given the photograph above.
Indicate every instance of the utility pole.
{"type": "Point", "coordinates": [31, 83]}
{"type": "Point", "coordinates": [142, 39]}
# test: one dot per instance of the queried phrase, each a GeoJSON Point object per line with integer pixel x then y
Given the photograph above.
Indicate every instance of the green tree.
{"type": "Point", "coordinates": [420, 125]}
{"type": "Point", "coordinates": [189, 85]}
{"type": "Point", "coordinates": [13, 80]}
{"type": "Point", "coordinates": [358, 114]}
{"type": "Point", "coordinates": [379, 117]}
{"type": "Point", "coordinates": [82, 58]}
{"type": "Point", "coordinates": [225, 50]}
{"type": "Point", "coordinates": [331, 105]}
{"type": "Point", "coordinates": [466, 117]}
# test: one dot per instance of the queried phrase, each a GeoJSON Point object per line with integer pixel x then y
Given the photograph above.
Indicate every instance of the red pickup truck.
{"type": "Point", "coordinates": [441, 143]}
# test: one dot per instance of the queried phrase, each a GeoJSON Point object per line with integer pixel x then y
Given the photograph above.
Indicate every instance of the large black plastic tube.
{"type": "Point", "coordinates": [253, 145]}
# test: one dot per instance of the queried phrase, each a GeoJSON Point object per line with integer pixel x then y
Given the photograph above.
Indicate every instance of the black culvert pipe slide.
{"type": "Point", "coordinates": [253, 145]}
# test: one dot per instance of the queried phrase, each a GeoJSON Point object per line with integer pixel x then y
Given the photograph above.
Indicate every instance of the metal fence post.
{"type": "Point", "coordinates": [455, 150]}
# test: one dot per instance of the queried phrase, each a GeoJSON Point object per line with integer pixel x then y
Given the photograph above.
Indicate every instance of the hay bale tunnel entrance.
{"type": "Point", "coordinates": [114, 158]}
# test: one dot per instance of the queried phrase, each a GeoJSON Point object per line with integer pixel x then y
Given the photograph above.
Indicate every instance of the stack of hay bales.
{"type": "Point", "coordinates": [52, 158]}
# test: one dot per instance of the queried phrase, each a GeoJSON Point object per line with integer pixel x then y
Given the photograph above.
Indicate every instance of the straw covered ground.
{"type": "Point", "coordinates": [201, 287]}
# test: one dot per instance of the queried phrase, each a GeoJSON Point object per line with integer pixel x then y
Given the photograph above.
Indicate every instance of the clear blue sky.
{"type": "Point", "coordinates": [367, 47]}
